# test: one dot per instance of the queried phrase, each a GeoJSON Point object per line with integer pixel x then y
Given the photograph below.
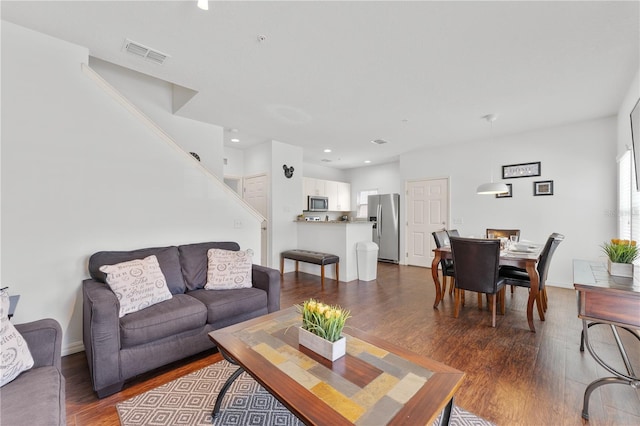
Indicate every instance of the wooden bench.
{"type": "Point", "coordinates": [314, 257]}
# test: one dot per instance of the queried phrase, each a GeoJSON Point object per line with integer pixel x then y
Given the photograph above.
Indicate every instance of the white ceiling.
{"type": "Point", "coordinates": [340, 74]}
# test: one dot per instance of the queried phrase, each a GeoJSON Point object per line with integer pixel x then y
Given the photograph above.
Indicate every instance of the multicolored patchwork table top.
{"type": "Point", "coordinates": [374, 383]}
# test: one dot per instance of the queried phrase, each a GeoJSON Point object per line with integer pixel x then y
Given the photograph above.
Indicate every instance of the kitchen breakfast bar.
{"type": "Point", "coordinates": [335, 237]}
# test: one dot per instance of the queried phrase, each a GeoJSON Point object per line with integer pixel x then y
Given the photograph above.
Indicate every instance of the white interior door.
{"type": "Point", "coordinates": [255, 193]}
{"type": "Point", "coordinates": [427, 211]}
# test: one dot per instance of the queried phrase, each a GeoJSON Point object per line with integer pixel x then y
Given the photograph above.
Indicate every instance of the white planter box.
{"type": "Point", "coordinates": [620, 269]}
{"type": "Point", "coordinates": [323, 347]}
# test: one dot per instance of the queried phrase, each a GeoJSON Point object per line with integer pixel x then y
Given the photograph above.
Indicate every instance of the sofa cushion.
{"type": "Point", "coordinates": [168, 318]}
{"type": "Point", "coordinates": [193, 259]}
{"type": "Point", "coordinates": [228, 269]}
{"type": "Point", "coordinates": [229, 304]}
{"type": "Point", "coordinates": [37, 397]}
{"type": "Point", "coordinates": [168, 258]}
{"type": "Point", "coordinates": [138, 284]}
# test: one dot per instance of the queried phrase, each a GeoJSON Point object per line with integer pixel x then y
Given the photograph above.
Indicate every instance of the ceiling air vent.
{"type": "Point", "coordinates": [145, 52]}
{"type": "Point", "coordinates": [325, 160]}
{"type": "Point", "coordinates": [379, 141]}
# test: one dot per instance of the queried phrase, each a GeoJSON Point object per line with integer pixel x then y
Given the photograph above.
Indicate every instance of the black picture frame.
{"type": "Point", "coordinates": [508, 194]}
{"type": "Point", "coordinates": [514, 171]}
{"type": "Point", "coordinates": [543, 187]}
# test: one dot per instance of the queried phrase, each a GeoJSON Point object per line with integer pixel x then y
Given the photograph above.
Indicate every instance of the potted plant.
{"type": "Point", "coordinates": [620, 256]}
{"type": "Point", "coordinates": [321, 329]}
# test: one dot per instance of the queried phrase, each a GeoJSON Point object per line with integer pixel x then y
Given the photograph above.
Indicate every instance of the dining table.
{"type": "Point", "coordinates": [526, 259]}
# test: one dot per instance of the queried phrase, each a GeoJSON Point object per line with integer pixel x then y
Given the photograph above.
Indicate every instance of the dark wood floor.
{"type": "Point", "coordinates": [513, 376]}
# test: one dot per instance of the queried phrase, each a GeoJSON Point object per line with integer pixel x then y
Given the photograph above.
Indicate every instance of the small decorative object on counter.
{"type": "Point", "coordinates": [321, 329]}
{"type": "Point", "coordinates": [621, 254]}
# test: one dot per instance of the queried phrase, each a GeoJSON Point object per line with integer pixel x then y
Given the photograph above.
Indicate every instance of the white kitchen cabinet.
{"type": "Point", "coordinates": [339, 193]}
{"type": "Point", "coordinates": [331, 191]}
{"type": "Point", "coordinates": [314, 186]}
{"type": "Point", "coordinates": [343, 203]}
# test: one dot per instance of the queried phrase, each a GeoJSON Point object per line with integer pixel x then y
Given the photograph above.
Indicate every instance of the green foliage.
{"type": "Point", "coordinates": [323, 320]}
{"type": "Point", "coordinates": [621, 251]}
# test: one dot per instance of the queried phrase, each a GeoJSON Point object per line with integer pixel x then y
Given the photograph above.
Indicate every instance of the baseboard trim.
{"type": "Point", "coordinates": [72, 348]}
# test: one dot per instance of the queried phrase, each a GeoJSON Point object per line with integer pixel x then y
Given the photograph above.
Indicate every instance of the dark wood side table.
{"type": "Point", "coordinates": [609, 300]}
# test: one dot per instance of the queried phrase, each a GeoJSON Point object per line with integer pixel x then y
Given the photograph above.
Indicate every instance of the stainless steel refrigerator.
{"type": "Point", "coordinates": [384, 210]}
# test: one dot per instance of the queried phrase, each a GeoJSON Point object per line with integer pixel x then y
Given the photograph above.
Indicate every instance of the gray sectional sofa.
{"type": "Point", "coordinates": [118, 349]}
{"type": "Point", "coordinates": [37, 396]}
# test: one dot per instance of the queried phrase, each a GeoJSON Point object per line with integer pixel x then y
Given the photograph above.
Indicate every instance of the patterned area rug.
{"type": "Point", "coordinates": [190, 399]}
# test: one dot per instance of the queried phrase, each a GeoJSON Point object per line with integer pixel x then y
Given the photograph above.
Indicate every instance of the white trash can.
{"type": "Point", "coordinates": [367, 253]}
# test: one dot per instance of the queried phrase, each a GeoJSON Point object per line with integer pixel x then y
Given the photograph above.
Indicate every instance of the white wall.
{"type": "Point", "coordinates": [155, 97]}
{"type": "Point", "coordinates": [579, 158]}
{"type": "Point", "coordinates": [285, 199]}
{"type": "Point", "coordinates": [386, 178]}
{"type": "Point", "coordinates": [80, 174]}
{"type": "Point", "coordinates": [235, 162]}
{"type": "Point", "coordinates": [257, 159]}
{"type": "Point", "coordinates": [327, 173]}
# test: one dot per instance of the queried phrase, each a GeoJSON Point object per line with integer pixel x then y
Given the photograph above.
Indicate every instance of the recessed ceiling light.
{"type": "Point", "coordinates": [367, 161]}
{"type": "Point", "coordinates": [235, 140]}
{"type": "Point", "coordinates": [327, 150]}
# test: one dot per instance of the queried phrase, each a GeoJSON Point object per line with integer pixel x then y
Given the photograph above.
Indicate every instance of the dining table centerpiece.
{"type": "Point", "coordinates": [620, 256]}
{"type": "Point", "coordinates": [321, 329]}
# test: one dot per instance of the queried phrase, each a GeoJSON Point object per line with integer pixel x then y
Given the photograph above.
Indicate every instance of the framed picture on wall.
{"type": "Point", "coordinates": [543, 187]}
{"type": "Point", "coordinates": [513, 171]}
{"type": "Point", "coordinates": [506, 194]}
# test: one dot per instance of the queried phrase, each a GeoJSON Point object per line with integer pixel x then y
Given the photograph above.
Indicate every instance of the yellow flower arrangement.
{"type": "Point", "coordinates": [323, 320]}
{"type": "Point", "coordinates": [621, 251]}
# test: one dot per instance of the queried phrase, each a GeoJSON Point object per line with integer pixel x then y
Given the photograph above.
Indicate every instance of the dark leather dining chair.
{"type": "Point", "coordinates": [442, 239]}
{"type": "Point", "coordinates": [475, 262]}
{"type": "Point", "coordinates": [499, 233]}
{"type": "Point", "coordinates": [520, 277]}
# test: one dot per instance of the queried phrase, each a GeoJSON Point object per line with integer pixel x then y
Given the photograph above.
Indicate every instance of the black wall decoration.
{"type": "Point", "coordinates": [288, 171]}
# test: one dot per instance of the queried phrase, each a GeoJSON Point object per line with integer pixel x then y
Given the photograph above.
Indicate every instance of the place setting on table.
{"type": "Point", "coordinates": [521, 263]}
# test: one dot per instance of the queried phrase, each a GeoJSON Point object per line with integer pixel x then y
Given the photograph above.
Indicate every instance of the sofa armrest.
{"type": "Point", "coordinates": [101, 333]}
{"type": "Point", "coordinates": [44, 338]}
{"type": "Point", "coordinates": [268, 279]}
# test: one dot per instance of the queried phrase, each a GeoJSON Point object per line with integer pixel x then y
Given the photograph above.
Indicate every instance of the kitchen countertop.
{"type": "Point", "coordinates": [335, 221]}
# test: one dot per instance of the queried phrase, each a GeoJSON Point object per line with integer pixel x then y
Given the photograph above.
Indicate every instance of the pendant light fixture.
{"type": "Point", "coordinates": [492, 187]}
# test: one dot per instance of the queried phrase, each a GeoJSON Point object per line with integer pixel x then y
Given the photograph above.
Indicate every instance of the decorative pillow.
{"type": "Point", "coordinates": [138, 284]}
{"type": "Point", "coordinates": [15, 356]}
{"type": "Point", "coordinates": [4, 304]}
{"type": "Point", "coordinates": [228, 269]}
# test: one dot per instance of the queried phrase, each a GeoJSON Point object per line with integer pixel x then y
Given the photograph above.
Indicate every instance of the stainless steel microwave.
{"type": "Point", "coordinates": [317, 204]}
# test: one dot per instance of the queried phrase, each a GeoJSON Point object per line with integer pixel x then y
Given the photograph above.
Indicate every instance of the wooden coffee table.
{"type": "Point", "coordinates": [376, 382]}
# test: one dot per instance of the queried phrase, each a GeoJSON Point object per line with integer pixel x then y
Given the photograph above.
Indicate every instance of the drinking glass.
{"type": "Point", "coordinates": [503, 243]}
{"type": "Point", "coordinates": [514, 239]}
{"type": "Point", "coordinates": [491, 235]}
